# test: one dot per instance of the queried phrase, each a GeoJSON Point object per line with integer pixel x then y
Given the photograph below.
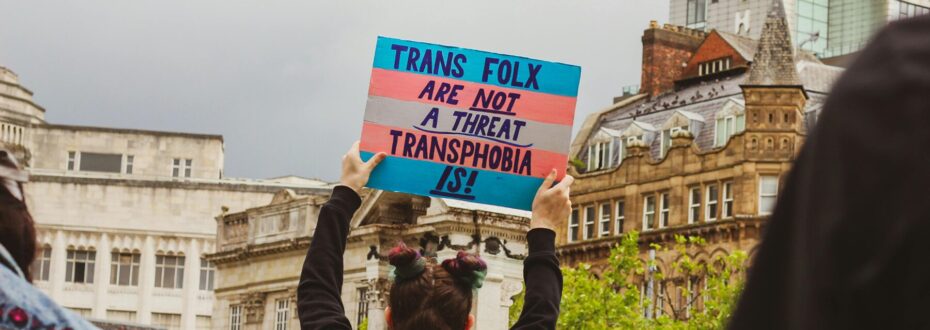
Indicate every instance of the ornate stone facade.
{"type": "Point", "coordinates": [124, 216]}
{"type": "Point", "coordinates": [266, 261]}
{"type": "Point", "coordinates": [704, 159]}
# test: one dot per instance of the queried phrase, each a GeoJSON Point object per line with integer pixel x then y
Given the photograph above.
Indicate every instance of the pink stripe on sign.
{"type": "Point", "coordinates": [541, 107]}
{"type": "Point", "coordinates": [414, 144]}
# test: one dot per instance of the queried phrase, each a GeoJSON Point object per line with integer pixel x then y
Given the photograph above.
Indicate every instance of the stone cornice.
{"type": "Point", "coordinates": [257, 250]}
{"type": "Point", "coordinates": [218, 185]}
{"type": "Point", "coordinates": [664, 235]}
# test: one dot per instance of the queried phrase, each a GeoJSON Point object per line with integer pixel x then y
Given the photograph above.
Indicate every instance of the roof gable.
{"type": "Point", "coordinates": [715, 47]}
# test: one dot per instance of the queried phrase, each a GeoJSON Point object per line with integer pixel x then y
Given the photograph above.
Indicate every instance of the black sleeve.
{"type": "Point", "coordinates": [319, 301]}
{"type": "Point", "coordinates": [543, 281]}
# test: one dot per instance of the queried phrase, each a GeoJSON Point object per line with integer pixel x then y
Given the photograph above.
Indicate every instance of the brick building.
{"type": "Point", "coordinates": [701, 152]}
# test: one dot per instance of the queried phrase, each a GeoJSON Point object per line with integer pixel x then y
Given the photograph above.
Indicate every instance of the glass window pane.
{"type": "Point", "coordinates": [124, 275]}
{"type": "Point", "coordinates": [769, 185]}
{"type": "Point", "coordinates": [168, 278]}
{"type": "Point", "coordinates": [79, 272]}
{"type": "Point", "coordinates": [69, 271]}
{"type": "Point", "coordinates": [135, 275]}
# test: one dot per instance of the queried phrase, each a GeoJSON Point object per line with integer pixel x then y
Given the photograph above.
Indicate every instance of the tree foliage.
{"type": "Point", "coordinates": [612, 299]}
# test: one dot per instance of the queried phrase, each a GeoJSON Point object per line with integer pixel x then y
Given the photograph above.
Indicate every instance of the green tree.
{"type": "Point", "coordinates": [612, 300]}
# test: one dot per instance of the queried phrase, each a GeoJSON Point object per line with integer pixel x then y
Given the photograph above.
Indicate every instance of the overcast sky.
{"type": "Point", "coordinates": [285, 82]}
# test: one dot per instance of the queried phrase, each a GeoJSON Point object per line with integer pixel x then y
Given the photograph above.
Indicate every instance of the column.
{"type": "Point", "coordinates": [189, 301]}
{"type": "Point", "coordinates": [102, 277]}
{"type": "Point", "coordinates": [488, 307]}
{"type": "Point", "coordinates": [147, 281]}
{"type": "Point", "coordinates": [376, 288]}
{"type": "Point", "coordinates": [56, 276]}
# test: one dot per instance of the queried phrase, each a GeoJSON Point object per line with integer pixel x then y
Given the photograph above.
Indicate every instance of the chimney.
{"type": "Point", "coordinates": [665, 51]}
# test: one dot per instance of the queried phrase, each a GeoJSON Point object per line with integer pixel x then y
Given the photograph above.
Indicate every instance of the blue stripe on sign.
{"type": "Point", "coordinates": [552, 78]}
{"type": "Point", "coordinates": [420, 177]}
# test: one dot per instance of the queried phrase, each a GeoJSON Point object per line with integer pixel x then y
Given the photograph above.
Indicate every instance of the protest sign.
{"type": "Point", "coordinates": [467, 124]}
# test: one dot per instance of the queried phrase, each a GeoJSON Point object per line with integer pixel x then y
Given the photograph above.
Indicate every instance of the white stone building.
{"type": "Point", "coordinates": [125, 216]}
{"type": "Point", "coordinates": [260, 253]}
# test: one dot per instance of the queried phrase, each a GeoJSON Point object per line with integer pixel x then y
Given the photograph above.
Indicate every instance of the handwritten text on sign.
{"type": "Point", "coordinates": [467, 124]}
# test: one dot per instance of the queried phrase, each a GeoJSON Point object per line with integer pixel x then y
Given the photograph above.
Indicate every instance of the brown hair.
{"type": "Point", "coordinates": [17, 230]}
{"type": "Point", "coordinates": [426, 295]}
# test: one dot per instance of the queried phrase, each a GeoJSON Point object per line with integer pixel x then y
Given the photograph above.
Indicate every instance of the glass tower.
{"type": "Point", "coordinates": [826, 28]}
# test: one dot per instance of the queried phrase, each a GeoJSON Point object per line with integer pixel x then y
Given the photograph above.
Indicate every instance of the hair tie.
{"type": "Point", "coordinates": [407, 262]}
{"type": "Point", "coordinates": [409, 271]}
{"type": "Point", "coordinates": [479, 279]}
{"type": "Point", "coordinates": [467, 268]}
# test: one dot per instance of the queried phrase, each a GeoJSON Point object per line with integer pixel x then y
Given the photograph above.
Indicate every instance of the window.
{"type": "Point", "coordinates": [83, 312]}
{"type": "Point", "coordinates": [729, 126]}
{"type": "Point", "coordinates": [40, 266]}
{"type": "Point", "coordinates": [80, 266]}
{"type": "Point", "coordinates": [620, 217]}
{"type": "Point", "coordinates": [667, 137]}
{"type": "Point", "coordinates": [362, 310]}
{"type": "Point", "coordinates": [605, 219]}
{"type": "Point", "coordinates": [697, 10]}
{"type": "Point", "coordinates": [727, 200]}
{"type": "Point", "coordinates": [589, 222]}
{"type": "Point", "coordinates": [714, 66]}
{"type": "Point", "coordinates": [169, 321]}
{"type": "Point", "coordinates": [573, 226]}
{"type": "Point", "coordinates": [178, 168]}
{"type": "Point", "coordinates": [117, 315]}
{"type": "Point", "coordinates": [281, 314]}
{"type": "Point", "coordinates": [235, 317]}
{"type": "Point", "coordinates": [624, 143]}
{"type": "Point", "coordinates": [768, 193]}
{"type": "Point", "coordinates": [124, 269]}
{"type": "Point", "coordinates": [694, 205]}
{"type": "Point", "coordinates": [712, 199]}
{"type": "Point", "coordinates": [96, 162]}
{"type": "Point", "coordinates": [663, 210]}
{"type": "Point", "coordinates": [204, 322]}
{"type": "Point", "coordinates": [129, 161]}
{"type": "Point", "coordinates": [599, 155]}
{"type": "Point", "coordinates": [71, 159]}
{"type": "Point", "coordinates": [207, 272]}
{"type": "Point", "coordinates": [649, 213]}
{"type": "Point", "coordinates": [169, 271]}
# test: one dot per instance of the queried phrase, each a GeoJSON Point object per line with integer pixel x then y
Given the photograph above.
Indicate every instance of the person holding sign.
{"type": "Point", "coordinates": [427, 294]}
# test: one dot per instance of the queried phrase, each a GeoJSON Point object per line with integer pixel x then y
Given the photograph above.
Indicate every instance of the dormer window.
{"type": "Point", "coordinates": [729, 121]}
{"type": "Point", "coordinates": [627, 141]}
{"type": "Point", "coordinates": [599, 156]}
{"type": "Point", "coordinates": [601, 149]}
{"type": "Point", "coordinates": [680, 121]}
{"type": "Point", "coordinates": [713, 66]}
{"type": "Point", "coordinates": [667, 137]}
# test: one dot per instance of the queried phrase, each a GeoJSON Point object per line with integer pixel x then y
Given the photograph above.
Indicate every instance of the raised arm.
{"type": "Point", "coordinates": [541, 273]}
{"type": "Point", "coordinates": [319, 301]}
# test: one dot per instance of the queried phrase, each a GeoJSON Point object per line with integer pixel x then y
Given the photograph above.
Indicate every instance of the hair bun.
{"type": "Point", "coordinates": [407, 262]}
{"type": "Point", "coordinates": [468, 268]}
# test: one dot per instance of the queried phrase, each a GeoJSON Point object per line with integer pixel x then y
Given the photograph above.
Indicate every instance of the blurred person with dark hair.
{"type": "Point", "coordinates": [22, 305]}
{"type": "Point", "coordinates": [427, 294]}
{"type": "Point", "coordinates": [847, 246]}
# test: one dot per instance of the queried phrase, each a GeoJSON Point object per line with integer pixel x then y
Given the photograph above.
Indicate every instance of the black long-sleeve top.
{"type": "Point", "coordinates": [319, 302]}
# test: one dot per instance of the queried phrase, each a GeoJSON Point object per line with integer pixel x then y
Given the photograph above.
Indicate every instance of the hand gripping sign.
{"type": "Point", "coordinates": [467, 124]}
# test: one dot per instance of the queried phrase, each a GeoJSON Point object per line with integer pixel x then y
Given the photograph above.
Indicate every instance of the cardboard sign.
{"type": "Point", "coordinates": [467, 124]}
